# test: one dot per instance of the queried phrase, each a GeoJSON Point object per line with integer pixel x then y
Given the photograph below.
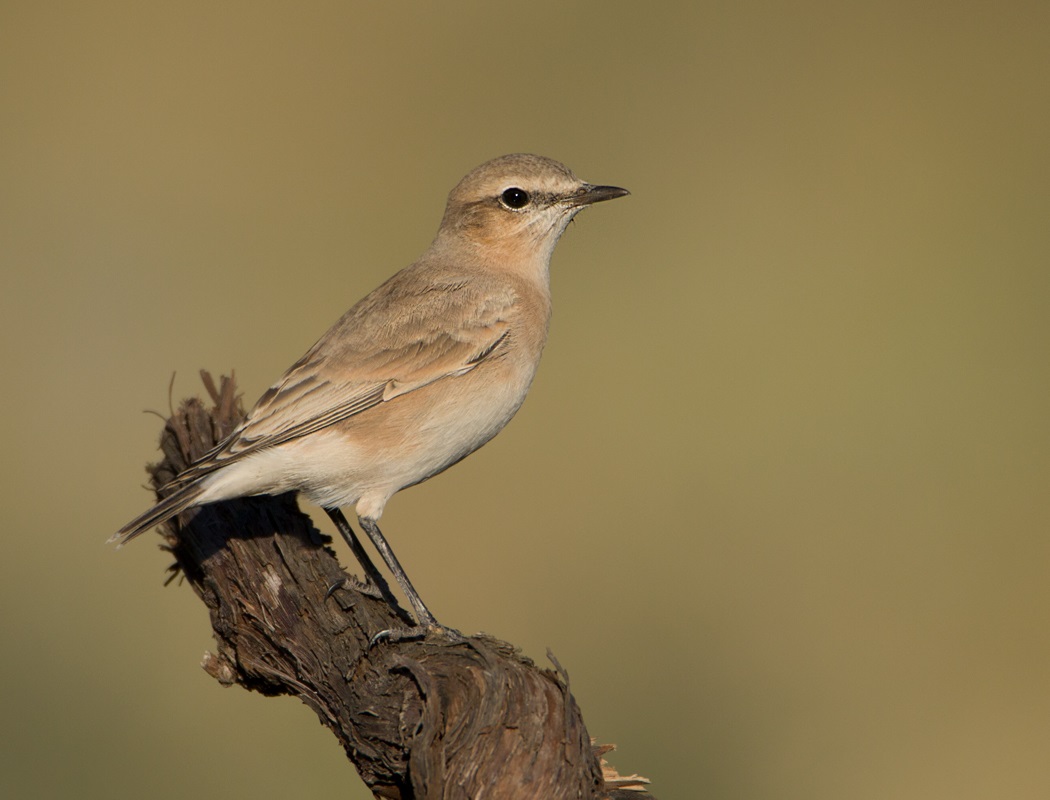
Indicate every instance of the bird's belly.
{"type": "Point", "coordinates": [399, 443]}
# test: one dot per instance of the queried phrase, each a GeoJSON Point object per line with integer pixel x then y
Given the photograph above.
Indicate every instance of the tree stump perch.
{"type": "Point", "coordinates": [443, 716]}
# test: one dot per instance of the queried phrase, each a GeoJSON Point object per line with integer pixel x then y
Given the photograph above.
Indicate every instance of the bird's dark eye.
{"type": "Point", "coordinates": [514, 198]}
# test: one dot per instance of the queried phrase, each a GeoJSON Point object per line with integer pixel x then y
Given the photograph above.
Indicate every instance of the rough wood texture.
{"type": "Point", "coordinates": [442, 717]}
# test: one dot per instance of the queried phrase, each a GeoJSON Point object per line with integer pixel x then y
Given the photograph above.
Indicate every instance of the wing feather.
{"type": "Point", "coordinates": [402, 337]}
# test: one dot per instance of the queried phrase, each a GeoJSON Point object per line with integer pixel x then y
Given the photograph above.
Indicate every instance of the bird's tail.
{"type": "Point", "coordinates": [167, 508]}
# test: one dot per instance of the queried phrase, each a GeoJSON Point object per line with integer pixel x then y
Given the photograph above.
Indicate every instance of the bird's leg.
{"type": "Point", "coordinates": [373, 577]}
{"type": "Point", "coordinates": [423, 615]}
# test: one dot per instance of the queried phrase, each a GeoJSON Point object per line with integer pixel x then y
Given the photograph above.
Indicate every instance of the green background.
{"type": "Point", "coordinates": [779, 497]}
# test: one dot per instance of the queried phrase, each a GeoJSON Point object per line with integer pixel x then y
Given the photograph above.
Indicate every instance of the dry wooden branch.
{"type": "Point", "coordinates": [441, 717]}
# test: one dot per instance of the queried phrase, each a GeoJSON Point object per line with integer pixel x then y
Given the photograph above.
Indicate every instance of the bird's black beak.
{"type": "Point", "coordinates": [590, 194]}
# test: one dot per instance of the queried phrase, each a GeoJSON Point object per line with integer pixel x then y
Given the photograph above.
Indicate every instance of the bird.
{"type": "Point", "coordinates": [417, 375]}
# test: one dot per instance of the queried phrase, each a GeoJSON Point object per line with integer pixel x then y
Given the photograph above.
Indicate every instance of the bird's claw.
{"type": "Point", "coordinates": [415, 633]}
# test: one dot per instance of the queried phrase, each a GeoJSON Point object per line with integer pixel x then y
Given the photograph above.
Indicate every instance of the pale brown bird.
{"type": "Point", "coordinates": [417, 375]}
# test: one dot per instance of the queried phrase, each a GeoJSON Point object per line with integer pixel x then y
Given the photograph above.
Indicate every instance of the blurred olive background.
{"type": "Point", "coordinates": [778, 499]}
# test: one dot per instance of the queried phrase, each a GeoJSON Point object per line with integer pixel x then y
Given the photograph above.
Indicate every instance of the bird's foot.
{"type": "Point", "coordinates": [364, 585]}
{"type": "Point", "coordinates": [415, 633]}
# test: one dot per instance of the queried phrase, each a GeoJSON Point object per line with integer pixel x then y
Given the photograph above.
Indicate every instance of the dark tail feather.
{"type": "Point", "coordinates": [164, 510]}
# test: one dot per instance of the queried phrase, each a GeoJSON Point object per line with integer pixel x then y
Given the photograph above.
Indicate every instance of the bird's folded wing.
{"type": "Point", "coordinates": [345, 374]}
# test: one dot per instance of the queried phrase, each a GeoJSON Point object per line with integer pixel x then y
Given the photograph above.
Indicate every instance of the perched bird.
{"type": "Point", "coordinates": [417, 375]}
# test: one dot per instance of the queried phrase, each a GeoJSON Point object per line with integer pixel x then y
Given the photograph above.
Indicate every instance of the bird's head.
{"type": "Point", "coordinates": [517, 206]}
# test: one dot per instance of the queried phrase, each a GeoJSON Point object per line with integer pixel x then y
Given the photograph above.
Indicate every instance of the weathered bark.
{"type": "Point", "coordinates": [442, 717]}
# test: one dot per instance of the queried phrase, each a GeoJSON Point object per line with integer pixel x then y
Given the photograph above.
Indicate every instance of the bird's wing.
{"type": "Point", "coordinates": [396, 340]}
